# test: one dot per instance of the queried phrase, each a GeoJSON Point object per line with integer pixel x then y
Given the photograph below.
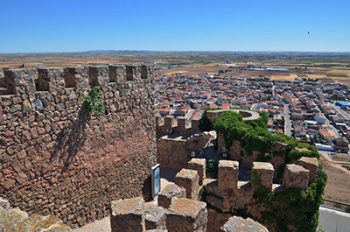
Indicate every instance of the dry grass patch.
{"type": "Point", "coordinates": [290, 77]}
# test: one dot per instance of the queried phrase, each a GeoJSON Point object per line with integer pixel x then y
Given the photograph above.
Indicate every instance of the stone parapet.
{"type": "Point", "coordinates": [262, 174]}
{"type": "Point", "coordinates": [227, 174]}
{"type": "Point", "coordinates": [26, 82]}
{"type": "Point", "coordinates": [176, 126]}
{"type": "Point", "coordinates": [186, 215]}
{"type": "Point", "coordinates": [189, 180]}
{"type": "Point", "coordinates": [128, 215]}
{"type": "Point", "coordinates": [310, 164]}
{"type": "Point", "coordinates": [198, 165]}
{"type": "Point", "coordinates": [295, 176]}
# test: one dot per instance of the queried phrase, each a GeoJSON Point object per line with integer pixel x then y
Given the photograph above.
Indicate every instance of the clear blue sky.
{"type": "Point", "coordinates": [232, 25]}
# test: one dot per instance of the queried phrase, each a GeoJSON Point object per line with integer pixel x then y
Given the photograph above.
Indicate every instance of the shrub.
{"type": "Point", "coordinates": [303, 149]}
{"type": "Point", "coordinates": [254, 135]}
{"type": "Point", "coordinates": [212, 168]}
{"type": "Point", "coordinates": [93, 102]}
{"type": "Point", "coordinates": [299, 206]}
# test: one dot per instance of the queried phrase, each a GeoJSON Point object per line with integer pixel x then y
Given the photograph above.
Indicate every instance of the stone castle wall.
{"type": "Point", "coordinates": [55, 158]}
{"type": "Point", "coordinates": [177, 140]}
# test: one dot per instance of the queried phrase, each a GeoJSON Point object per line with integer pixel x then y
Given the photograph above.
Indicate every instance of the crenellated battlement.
{"type": "Point", "coordinates": [229, 193]}
{"type": "Point", "coordinates": [169, 125]}
{"type": "Point", "coordinates": [26, 82]}
{"type": "Point", "coordinates": [295, 177]}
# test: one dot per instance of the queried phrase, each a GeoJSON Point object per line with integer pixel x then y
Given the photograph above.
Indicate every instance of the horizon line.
{"type": "Point", "coordinates": [164, 51]}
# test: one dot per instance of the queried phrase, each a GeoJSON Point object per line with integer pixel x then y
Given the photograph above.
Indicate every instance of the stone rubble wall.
{"type": "Point", "coordinates": [176, 152]}
{"type": "Point", "coordinates": [55, 158]}
{"type": "Point", "coordinates": [177, 211]}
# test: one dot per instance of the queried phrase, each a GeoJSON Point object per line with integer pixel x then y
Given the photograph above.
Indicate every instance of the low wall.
{"type": "Point", "coordinates": [247, 115]}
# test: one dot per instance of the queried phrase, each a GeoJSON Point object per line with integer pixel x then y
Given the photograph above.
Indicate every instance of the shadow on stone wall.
{"type": "Point", "coordinates": [70, 140]}
{"type": "Point", "coordinates": [147, 189]}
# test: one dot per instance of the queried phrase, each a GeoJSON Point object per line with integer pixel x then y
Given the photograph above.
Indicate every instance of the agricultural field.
{"type": "Point", "coordinates": [338, 184]}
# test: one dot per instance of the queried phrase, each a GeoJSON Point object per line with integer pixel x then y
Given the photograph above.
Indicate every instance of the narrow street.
{"type": "Point", "coordinates": [287, 121]}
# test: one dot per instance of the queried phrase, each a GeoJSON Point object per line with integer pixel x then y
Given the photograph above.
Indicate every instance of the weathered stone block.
{"type": "Point", "coordinates": [228, 174]}
{"type": "Point", "coordinates": [181, 126]}
{"type": "Point", "coordinates": [262, 173]}
{"type": "Point", "coordinates": [310, 164]}
{"type": "Point", "coordinates": [279, 148]}
{"type": "Point", "coordinates": [128, 215]}
{"type": "Point", "coordinates": [186, 215]}
{"type": "Point", "coordinates": [4, 203]}
{"type": "Point", "coordinates": [238, 224]}
{"type": "Point", "coordinates": [189, 180]}
{"type": "Point", "coordinates": [155, 217]}
{"type": "Point", "coordinates": [168, 193]}
{"type": "Point", "coordinates": [198, 165]}
{"type": "Point", "coordinates": [295, 176]}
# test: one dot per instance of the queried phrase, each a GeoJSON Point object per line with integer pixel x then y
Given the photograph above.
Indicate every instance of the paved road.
{"type": "Point", "coordinates": [331, 220]}
{"type": "Point", "coordinates": [287, 121]}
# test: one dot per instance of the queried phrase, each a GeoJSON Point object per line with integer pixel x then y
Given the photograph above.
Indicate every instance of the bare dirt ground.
{"type": "Point", "coordinates": [194, 69]}
{"type": "Point", "coordinates": [338, 184]}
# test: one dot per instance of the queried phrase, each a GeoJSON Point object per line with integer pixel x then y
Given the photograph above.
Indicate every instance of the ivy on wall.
{"type": "Point", "coordinates": [93, 102]}
{"type": "Point", "coordinates": [254, 136]}
{"type": "Point", "coordinates": [295, 208]}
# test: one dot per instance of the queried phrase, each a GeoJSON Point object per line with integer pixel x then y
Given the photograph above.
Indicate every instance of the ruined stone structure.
{"type": "Point", "coordinates": [243, 185]}
{"type": "Point", "coordinates": [178, 140]}
{"type": "Point", "coordinates": [177, 211]}
{"type": "Point", "coordinates": [56, 158]}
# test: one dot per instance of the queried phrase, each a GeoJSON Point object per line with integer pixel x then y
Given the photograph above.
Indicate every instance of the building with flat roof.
{"type": "Point", "coordinates": [343, 104]}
